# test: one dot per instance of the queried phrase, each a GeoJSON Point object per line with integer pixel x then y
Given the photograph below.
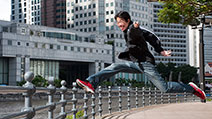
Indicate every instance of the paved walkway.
{"type": "Point", "coordinates": [194, 110]}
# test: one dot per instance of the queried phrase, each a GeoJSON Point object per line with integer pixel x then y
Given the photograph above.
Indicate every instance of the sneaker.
{"type": "Point", "coordinates": [197, 91]}
{"type": "Point", "coordinates": [85, 85]}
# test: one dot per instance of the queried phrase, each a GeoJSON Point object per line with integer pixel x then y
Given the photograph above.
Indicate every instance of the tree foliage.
{"type": "Point", "coordinates": [184, 11]}
{"type": "Point", "coordinates": [187, 72]}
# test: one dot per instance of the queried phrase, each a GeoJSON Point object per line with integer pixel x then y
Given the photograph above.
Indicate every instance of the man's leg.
{"type": "Point", "coordinates": [111, 70]}
{"type": "Point", "coordinates": [168, 87]}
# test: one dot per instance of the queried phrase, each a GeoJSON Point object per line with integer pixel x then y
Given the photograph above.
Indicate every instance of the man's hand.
{"type": "Point", "coordinates": [166, 53]}
{"type": "Point", "coordinates": [136, 24]}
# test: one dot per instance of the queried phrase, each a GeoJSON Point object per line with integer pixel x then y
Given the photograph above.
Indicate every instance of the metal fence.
{"type": "Point", "coordinates": [104, 101]}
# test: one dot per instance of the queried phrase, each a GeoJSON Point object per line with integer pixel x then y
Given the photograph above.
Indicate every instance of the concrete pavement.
{"type": "Point", "coordinates": [193, 110]}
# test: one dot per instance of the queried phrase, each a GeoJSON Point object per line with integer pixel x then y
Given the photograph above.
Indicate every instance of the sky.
{"type": "Point", "coordinates": [5, 8]}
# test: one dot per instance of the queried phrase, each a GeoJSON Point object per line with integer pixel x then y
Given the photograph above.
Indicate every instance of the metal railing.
{"type": "Point", "coordinates": [104, 101]}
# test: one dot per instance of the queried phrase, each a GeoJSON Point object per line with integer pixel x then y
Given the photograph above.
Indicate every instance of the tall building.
{"type": "Point", "coordinates": [173, 37]}
{"type": "Point", "coordinates": [53, 13]}
{"type": "Point", "coordinates": [26, 11]}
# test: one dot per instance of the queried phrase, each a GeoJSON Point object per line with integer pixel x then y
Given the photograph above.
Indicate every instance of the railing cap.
{"type": "Point", "coordinates": [29, 76]}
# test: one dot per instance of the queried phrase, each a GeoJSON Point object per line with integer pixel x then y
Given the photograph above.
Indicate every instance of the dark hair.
{"type": "Point", "coordinates": [124, 15]}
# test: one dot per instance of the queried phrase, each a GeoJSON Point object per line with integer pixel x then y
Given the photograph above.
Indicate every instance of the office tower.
{"type": "Point", "coordinates": [173, 37]}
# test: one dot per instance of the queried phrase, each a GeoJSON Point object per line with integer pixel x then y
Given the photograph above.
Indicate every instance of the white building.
{"type": "Point", "coordinates": [173, 37]}
{"type": "Point", "coordinates": [194, 40]}
{"type": "Point", "coordinates": [26, 11]}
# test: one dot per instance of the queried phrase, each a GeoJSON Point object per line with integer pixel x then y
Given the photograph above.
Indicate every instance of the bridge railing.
{"type": "Point", "coordinates": [104, 101]}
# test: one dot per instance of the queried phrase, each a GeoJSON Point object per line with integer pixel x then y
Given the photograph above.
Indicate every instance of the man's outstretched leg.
{"type": "Point", "coordinates": [94, 80]}
{"type": "Point", "coordinates": [170, 87]}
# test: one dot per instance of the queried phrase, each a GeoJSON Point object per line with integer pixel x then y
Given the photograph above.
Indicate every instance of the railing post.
{"type": "Point", "coordinates": [100, 101]}
{"type": "Point", "coordinates": [120, 100]}
{"type": "Point", "coordinates": [93, 106]}
{"type": "Point", "coordinates": [62, 100]}
{"type": "Point", "coordinates": [193, 97]}
{"type": "Point", "coordinates": [74, 100]}
{"type": "Point", "coordinates": [136, 97]}
{"type": "Point", "coordinates": [143, 96]}
{"type": "Point", "coordinates": [85, 107]}
{"type": "Point", "coordinates": [161, 98]}
{"type": "Point", "coordinates": [28, 76]}
{"type": "Point", "coordinates": [169, 98]}
{"type": "Point", "coordinates": [128, 98]}
{"type": "Point", "coordinates": [150, 97]}
{"type": "Point", "coordinates": [51, 92]}
{"type": "Point", "coordinates": [109, 99]}
{"type": "Point", "coordinates": [185, 96]}
{"type": "Point", "coordinates": [177, 97]}
{"type": "Point", "coordinates": [156, 96]}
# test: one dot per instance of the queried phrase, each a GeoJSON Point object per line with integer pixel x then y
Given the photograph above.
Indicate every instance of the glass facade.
{"type": "Point", "coordinates": [4, 71]}
{"type": "Point", "coordinates": [60, 35]}
{"type": "Point", "coordinates": [45, 68]}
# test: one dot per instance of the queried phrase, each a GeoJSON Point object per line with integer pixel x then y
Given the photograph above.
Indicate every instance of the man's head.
{"type": "Point", "coordinates": [123, 19]}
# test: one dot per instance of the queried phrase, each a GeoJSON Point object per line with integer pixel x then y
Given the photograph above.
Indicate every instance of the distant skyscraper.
{"type": "Point", "coordinates": [173, 37]}
{"type": "Point", "coordinates": [53, 13]}
{"type": "Point", "coordinates": [26, 11]}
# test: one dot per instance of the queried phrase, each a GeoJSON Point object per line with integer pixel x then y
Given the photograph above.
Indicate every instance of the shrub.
{"type": "Point", "coordinates": [79, 114]}
{"type": "Point", "coordinates": [39, 81]}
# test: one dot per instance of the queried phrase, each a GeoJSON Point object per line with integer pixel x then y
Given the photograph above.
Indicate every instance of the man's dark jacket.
{"type": "Point", "coordinates": [137, 48]}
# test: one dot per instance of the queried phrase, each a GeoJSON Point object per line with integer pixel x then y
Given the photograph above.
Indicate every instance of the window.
{"type": "Point", "coordinates": [72, 48]}
{"type": "Point", "coordinates": [107, 20]}
{"type": "Point", "coordinates": [85, 30]}
{"type": "Point", "coordinates": [111, 12]}
{"type": "Point", "coordinates": [111, 19]}
{"type": "Point", "coordinates": [85, 22]}
{"type": "Point", "coordinates": [107, 28]}
{"type": "Point", "coordinates": [9, 42]}
{"type": "Point", "coordinates": [58, 47]}
{"type": "Point", "coordinates": [111, 4]}
{"type": "Point", "coordinates": [94, 21]}
{"type": "Point", "coordinates": [51, 46]}
{"type": "Point", "coordinates": [94, 5]}
{"type": "Point", "coordinates": [89, 21]}
{"type": "Point", "coordinates": [107, 12]}
{"type": "Point", "coordinates": [18, 43]}
{"type": "Point", "coordinates": [65, 48]}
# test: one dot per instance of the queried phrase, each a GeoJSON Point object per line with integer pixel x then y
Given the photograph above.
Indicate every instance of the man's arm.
{"type": "Point", "coordinates": [153, 40]}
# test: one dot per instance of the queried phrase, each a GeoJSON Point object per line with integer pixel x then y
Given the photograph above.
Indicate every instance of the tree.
{"type": "Point", "coordinates": [165, 70]}
{"type": "Point", "coordinates": [188, 72]}
{"type": "Point", "coordinates": [185, 12]}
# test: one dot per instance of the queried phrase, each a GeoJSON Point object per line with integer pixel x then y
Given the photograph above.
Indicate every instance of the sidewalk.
{"type": "Point", "coordinates": [194, 110]}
